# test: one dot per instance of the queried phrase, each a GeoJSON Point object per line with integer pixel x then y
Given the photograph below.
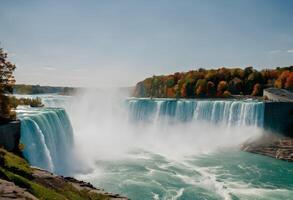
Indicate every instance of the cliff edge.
{"type": "Point", "coordinates": [18, 180]}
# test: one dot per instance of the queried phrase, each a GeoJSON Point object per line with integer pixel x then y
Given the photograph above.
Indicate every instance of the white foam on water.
{"type": "Point", "coordinates": [155, 196]}
{"type": "Point", "coordinates": [179, 194]}
{"type": "Point", "coordinates": [105, 130]}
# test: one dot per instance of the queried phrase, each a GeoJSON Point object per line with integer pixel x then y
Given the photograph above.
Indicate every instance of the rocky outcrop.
{"type": "Point", "coordinates": [57, 183]}
{"type": "Point", "coordinates": [9, 190]}
{"type": "Point", "coordinates": [275, 146]}
{"type": "Point", "coordinates": [278, 95]}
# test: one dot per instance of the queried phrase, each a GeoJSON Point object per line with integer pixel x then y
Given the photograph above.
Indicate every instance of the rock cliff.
{"type": "Point", "coordinates": [18, 180]}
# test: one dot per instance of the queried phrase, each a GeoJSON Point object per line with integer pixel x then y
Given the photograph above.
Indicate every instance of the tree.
{"type": "Point", "coordinates": [248, 70]}
{"type": "Point", "coordinates": [237, 73]}
{"type": "Point", "coordinates": [214, 82]}
{"type": "Point", "coordinates": [235, 86]}
{"type": "Point", "coordinates": [211, 75]}
{"type": "Point", "coordinates": [289, 81]}
{"type": "Point", "coordinates": [226, 94]}
{"type": "Point", "coordinates": [170, 93]}
{"type": "Point", "coordinates": [224, 74]}
{"type": "Point", "coordinates": [183, 91]}
{"type": "Point", "coordinates": [253, 78]}
{"type": "Point", "coordinates": [177, 91]}
{"type": "Point", "coordinates": [170, 82]}
{"type": "Point", "coordinates": [211, 89]}
{"type": "Point", "coordinates": [189, 87]}
{"type": "Point", "coordinates": [281, 81]}
{"type": "Point", "coordinates": [256, 90]}
{"type": "Point", "coordinates": [7, 82]}
{"type": "Point", "coordinates": [222, 86]}
{"type": "Point", "coordinates": [201, 87]}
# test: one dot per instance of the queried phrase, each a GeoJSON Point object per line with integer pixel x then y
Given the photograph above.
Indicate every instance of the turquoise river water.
{"type": "Point", "coordinates": [155, 148]}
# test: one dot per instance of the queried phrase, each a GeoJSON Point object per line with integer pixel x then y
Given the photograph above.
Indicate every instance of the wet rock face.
{"type": "Point", "coordinates": [9, 190]}
{"type": "Point", "coordinates": [278, 118]}
{"type": "Point", "coordinates": [275, 146]}
{"type": "Point", "coordinates": [10, 135]}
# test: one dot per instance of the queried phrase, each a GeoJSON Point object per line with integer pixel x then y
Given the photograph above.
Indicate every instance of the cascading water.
{"type": "Point", "coordinates": [157, 148]}
{"type": "Point", "coordinates": [47, 137]}
{"type": "Point", "coordinates": [232, 113]}
{"type": "Point", "coordinates": [176, 149]}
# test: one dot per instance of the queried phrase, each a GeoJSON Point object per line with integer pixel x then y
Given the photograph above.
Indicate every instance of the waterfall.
{"type": "Point", "coordinates": [229, 112]}
{"type": "Point", "coordinates": [47, 137]}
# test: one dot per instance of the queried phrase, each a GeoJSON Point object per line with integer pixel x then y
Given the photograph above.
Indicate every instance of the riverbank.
{"type": "Point", "coordinates": [271, 145]}
{"type": "Point", "coordinates": [18, 180]}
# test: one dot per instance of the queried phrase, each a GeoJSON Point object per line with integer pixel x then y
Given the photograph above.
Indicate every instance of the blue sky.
{"type": "Point", "coordinates": [117, 43]}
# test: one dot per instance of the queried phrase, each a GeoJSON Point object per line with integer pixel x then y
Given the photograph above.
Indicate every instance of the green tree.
{"type": "Point", "coordinates": [247, 71]}
{"type": "Point", "coordinates": [201, 87]}
{"type": "Point", "coordinates": [211, 89]}
{"type": "Point", "coordinates": [235, 86]}
{"type": "Point", "coordinates": [7, 82]}
{"type": "Point", "coordinates": [170, 82]}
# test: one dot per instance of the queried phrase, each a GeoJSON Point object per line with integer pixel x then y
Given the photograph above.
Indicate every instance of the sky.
{"type": "Point", "coordinates": [98, 43]}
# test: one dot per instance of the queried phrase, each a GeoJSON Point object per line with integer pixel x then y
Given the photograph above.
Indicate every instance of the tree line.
{"type": "Point", "coordinates": [38, 89]}
{"type": "Point", "coordinates": [32, 102]}
{"type": "Point", "coordinates": [212, 83]}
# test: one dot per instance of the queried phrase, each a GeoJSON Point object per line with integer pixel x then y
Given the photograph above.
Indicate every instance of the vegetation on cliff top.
{"type": "Point", "coordinates": [212, 83]}
{"type": "Point", "coordinates": [33, 102]}
{"type": "Point", "coordinates": [38, 89]}
{"type": "Point", "coordinates": [45, 185]}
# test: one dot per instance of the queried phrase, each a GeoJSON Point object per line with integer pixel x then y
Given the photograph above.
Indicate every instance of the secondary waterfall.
{"type": "Point", "coordinates": [47, 137]}
{"type": "Point", "coordinates": [229, 112]}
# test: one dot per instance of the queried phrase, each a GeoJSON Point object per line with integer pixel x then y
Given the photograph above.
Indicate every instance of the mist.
{"type": "Point", "coordinates": [104, 130]}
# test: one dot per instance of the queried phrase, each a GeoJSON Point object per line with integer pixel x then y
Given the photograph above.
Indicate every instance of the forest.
{"type": "Point", "coordinates": [215, 83]}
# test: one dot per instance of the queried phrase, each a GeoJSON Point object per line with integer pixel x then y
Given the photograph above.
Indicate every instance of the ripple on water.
{"type": "Point", "coordinates": [225, 175]}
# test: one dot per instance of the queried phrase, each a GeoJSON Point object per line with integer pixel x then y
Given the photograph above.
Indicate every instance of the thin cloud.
{"type": "Point", "coordinates": [80, 70]}
{"type": "Point", "coordinates": [280, 51]}
{"type": "Point", "coordinates": [49, 68]}
{"type": "Point", "coordinates": [275, 51]}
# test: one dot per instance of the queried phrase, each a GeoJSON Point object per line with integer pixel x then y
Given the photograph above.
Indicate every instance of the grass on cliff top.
{"type": "Point", "coordinates": [14, 163]}
{"type": "Point", "coordinates": [17, 170]}
{"type": "Point", "coordinates": [36, 189]}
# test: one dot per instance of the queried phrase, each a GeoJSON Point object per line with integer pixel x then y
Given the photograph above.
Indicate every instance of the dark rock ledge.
{"type": "Point", "coordinates": [272, 145]}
